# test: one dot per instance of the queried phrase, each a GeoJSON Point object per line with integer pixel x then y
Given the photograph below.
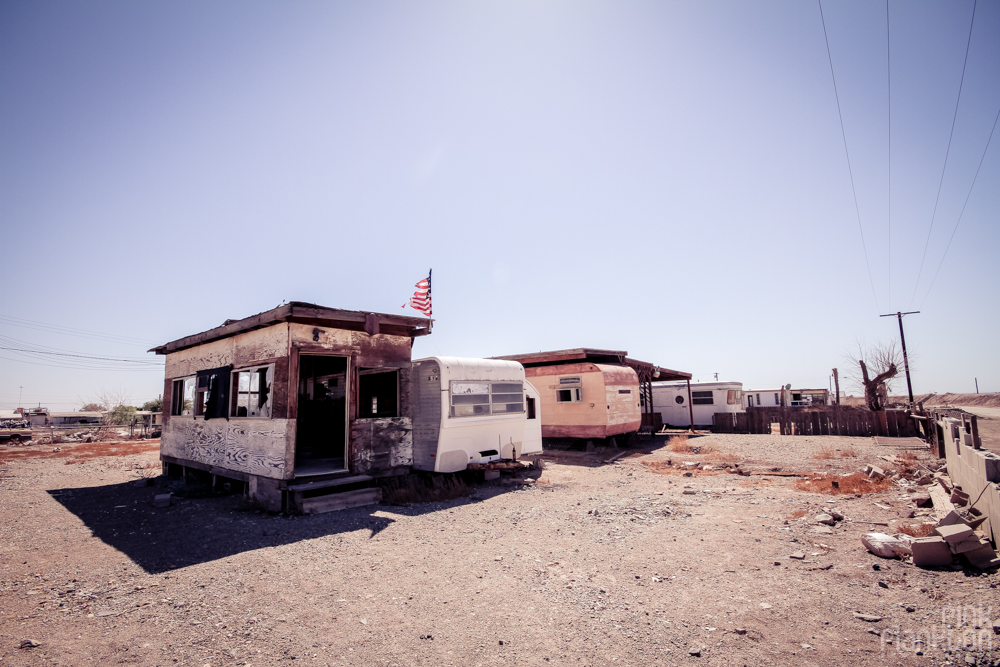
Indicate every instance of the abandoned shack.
{"type": "Point", "coordinates": [292, 400]}
{"type": "Point", "coordinates": [575, 384]}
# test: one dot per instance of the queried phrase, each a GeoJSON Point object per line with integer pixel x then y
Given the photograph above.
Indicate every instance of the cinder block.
{"type": "Point", "coordinates": [265, 492]}
{"type": "Point", "coordinates": [931, 552]}
{"type": "Point", "coordinates": [984, 557]}
{"type": "Point", "coordinates": [955, 533]}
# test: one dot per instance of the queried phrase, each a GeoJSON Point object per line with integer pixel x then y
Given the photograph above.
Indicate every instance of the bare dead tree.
{"type": "Point", "coordinates": [872, 371]}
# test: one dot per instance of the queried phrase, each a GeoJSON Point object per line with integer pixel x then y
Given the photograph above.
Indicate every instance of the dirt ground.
{"type": "Point", "coordinates": [585, 561]}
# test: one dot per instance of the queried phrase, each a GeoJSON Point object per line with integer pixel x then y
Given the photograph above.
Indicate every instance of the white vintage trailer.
{"type": "Point", "coordinates": [472, 411]}
{"type": "Point", "coordinates": [707, 398]}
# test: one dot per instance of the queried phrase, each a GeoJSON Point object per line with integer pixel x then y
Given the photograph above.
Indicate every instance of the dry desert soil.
{"type": "Point", "coordinates": [583, 561]}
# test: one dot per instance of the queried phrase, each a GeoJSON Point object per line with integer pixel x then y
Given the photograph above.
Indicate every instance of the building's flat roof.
{"type": "Point", "coordinates": [592, 355]}
{"type": "Point", "coordinates": [306, 313]}
{"type": "Point", "coordinates": [88, 415]}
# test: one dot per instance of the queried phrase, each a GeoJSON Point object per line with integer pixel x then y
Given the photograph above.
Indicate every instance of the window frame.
{"type": "Point", "coordinates": [369, 414]}
{"type": "Point", "coordinates": [703, 398]}
{"type": "Point", "coordinates": [266, 409]}
{"type": "Point", "coordinates": [490, 412]}
{"type": "Point", "coordinates": [177, 395]}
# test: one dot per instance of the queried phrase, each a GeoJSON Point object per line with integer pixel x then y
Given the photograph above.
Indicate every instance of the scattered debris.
{"type": "Point", "coordinates": [868, 618]}
{"type": "Point", "coordinates": [887, 546]}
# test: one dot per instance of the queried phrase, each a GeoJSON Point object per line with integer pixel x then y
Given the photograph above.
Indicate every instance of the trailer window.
{"type": "Point", "coordinates": [734, 397]}
{"type": "Point", "coordinates": [182, 397]}
{"type": "Point", "coordinates": [473, 399]}
{"type": "Point", "coordinates": [702, 398]}
{"type": "Point", "coordinates": [470, 399]}
{"type": "Point", "coordinates": [378, 393]}
{"type": "Point", "coordinates": [507, 397]}
{"type": "Point", "coordinates": [251, 392]}
{"type": "Point", "coordinates": [571, 395]}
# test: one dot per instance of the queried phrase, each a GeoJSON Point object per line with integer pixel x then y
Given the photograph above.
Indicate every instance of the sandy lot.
{"type": "Point", "coordinates": [590, 563]}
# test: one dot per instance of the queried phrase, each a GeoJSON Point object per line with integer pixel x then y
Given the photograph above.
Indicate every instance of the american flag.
{"type": "Point", "coordinates": [421, 299]}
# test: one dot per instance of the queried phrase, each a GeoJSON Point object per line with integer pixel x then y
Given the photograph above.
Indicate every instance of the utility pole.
{"type": "Point", "coordinates": [977, 385]}
{"type": "Point", "coordinates": [902, 339]}
{"type": "Point", "coordinates": [836, 385]}
{"type": "Point", "coordinates": [21, 393]}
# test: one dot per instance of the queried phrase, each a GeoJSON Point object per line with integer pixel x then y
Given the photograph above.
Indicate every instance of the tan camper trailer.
{"type": "Point", "coordinates": [592, 394]}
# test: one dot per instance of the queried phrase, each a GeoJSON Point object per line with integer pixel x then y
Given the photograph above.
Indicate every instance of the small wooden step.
{"type": "Point", "coordinates": [341, 501]}
{"type": "Point", "coordinates": [327, 483]}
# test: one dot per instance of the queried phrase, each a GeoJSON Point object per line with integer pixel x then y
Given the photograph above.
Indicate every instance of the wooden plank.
{"type": "Point", "coordinates": [942, 502]}
{"type": "Point", "coordinates": [329, 483]}
{"type": "Point", "coordinates": [341, 501]}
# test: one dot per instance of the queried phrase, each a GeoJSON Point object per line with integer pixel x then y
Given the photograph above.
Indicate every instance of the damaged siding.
{"type": "Point", "coordinates": [253, 446]}
{"type": "Point", "coordinates": [374, 444]}
{"type": "Point", "coordinates": [249, 445]}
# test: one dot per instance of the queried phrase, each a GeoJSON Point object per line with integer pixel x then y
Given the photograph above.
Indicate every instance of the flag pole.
{"type": "Point", "coordinates": [430, 322]}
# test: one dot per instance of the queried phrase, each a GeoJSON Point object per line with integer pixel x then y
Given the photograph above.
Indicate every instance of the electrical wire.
{"type": "Point", "coordinates": [850, 170]}
{"type": "Point", "coordinates": [959, 221]}
{"type": "Point", "coordinates": [947, 153]}
{"type": "Point", "coordinates": [81, 356]}
{"type": "Point", "coordinates": [70, 331]}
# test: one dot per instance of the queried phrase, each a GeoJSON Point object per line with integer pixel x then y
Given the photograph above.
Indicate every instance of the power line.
{"type": "Point", "coordinates": [959, 221]}
{"type": "Point", "coordinates": [83, 356]}
{"type": "Point", "coordinates": [946, 153]}
{"type": "Point", "coordinates": [850, 171]}
{"type": "Point", "coordinates": [70, 331]}
{"type": "Point", "coordinates": [86, 368]}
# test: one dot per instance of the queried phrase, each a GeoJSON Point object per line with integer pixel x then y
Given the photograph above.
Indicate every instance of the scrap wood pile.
{"type": "Point", "coordinates": [954, 537]}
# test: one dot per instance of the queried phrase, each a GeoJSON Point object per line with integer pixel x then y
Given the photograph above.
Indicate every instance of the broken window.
{"type": "Point", "coordinates": [182, 397]}
{"type": "Point", "coordinates": [701, 398]}
{"type": "Point", "coordinates": [570, 390]}
{"type": "Point", "coordinates": [378, 393]}
{"type": "Point", "coordinates": [211, 394]}
{"type": "Point", "coordinates": [251, 392]}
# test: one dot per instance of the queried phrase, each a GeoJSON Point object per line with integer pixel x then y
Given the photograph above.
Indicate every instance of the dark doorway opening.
{"type": "Point", "coordinates": [321, 430]}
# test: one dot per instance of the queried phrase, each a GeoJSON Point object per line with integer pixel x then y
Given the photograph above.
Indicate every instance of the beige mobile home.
{"type": "Point", "coordinates": [593, 394]}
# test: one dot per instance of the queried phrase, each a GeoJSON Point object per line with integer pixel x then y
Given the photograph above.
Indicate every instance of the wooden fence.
{"type": "Point", "coordinates": [811, 421]}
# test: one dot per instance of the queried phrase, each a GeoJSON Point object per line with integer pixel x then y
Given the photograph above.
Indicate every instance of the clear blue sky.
{"type": "Point", "coordinates": [667, 178]}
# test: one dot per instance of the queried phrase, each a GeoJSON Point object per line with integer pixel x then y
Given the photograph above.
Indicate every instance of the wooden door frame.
{"type": "Point", "coordinates": [294, 367]}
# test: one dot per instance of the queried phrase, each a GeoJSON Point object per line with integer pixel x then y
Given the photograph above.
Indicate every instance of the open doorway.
{"type": "Point", "coordinates": [321, 431]}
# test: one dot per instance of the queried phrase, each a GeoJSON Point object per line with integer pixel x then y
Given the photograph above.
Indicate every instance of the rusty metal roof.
{"type": "Point", "coordinates": [645, 370]}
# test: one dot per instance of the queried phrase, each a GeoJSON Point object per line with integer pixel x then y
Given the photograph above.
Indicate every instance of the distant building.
{"type": "Point", "coordinates": [671, 401]}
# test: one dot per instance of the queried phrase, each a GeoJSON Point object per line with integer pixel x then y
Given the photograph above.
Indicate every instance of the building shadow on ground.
{"type": "Point", "coordinates": [200, 526]}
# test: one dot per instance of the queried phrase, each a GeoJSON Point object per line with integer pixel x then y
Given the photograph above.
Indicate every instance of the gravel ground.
{"type": "Point", "coordinates": [584, 563]}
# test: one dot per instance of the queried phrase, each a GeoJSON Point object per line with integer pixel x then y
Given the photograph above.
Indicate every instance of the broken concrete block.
{"type": "Point", "coordinates": [983, 557]}
{"type": "Point", "coordinates": [921, 501]}
{"type": "Point", "coordinates": [960, 498]}
{"type": "Point", "coordinates": [825, 518]}
{"type": "Point", "coordinates": [798, 555]}
{"type": "Point", "coordinates": [161, 500]}
{"type": "Point", "coordinates": [955, 533]}
{"type": "Point", "coordinates": [931, 552]}
{"type": "Point", "coordinates": [874, 472]}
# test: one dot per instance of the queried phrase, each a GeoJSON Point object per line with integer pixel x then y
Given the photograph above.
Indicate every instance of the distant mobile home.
{"type": "Point", "coordinates": [472, 411]}
{"type": "Point", "coordinates": [672, 401]}
{"type": "Point", "coordinates": [295, 393]}
{"type": "Point", "coordinates": [593, 394]}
